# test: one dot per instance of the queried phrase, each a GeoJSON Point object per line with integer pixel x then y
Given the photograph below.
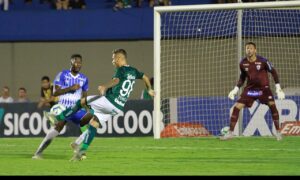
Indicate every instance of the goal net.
{"type": "Point", "coordinates": [197, 52]}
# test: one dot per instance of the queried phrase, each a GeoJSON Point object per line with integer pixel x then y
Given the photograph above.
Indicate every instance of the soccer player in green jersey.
{"type": "Point", "coordinates": [112, 99]}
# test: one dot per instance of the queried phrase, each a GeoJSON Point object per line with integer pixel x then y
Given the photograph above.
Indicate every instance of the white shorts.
{"type": "Point", "coordinates": [103, 108]}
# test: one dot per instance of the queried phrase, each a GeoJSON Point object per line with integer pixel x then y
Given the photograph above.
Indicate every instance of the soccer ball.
{"type": "Point", "coordinates": [57, 109]}
{"type": "Point", "coordinates": [225, 130]}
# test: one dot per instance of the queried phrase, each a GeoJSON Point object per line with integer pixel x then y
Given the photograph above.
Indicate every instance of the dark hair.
{"type": "Point", "coordinates": [76, 56]}
{"type": "Point", "coordinates": [45, 78]}
{"type": "Point", "coordinates": [120, 51]}
{"type": "Point", "coordinates": [6, 87]}
{"type": "Point", "coordinates": [22, 88]}
{"type": "Point", "coordinates": [251, 43]}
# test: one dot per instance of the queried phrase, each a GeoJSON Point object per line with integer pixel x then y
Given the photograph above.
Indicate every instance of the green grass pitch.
{"type": "Point", "coordinates": [146, 156]}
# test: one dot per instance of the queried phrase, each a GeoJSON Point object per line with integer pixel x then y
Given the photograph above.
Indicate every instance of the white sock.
{"type": "Point", "coordinates": [80, 139]}
{"type": "Point", "coordinates": [50, 135]}
{"type": "Point", "coordinates": [47, 140]}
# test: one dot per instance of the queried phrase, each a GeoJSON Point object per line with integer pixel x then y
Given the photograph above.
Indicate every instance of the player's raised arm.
{"type": "Point", "coordinates": [59, 91]}
{"type": "Point", "coordinates": [148, 85]}
{"type": "Point", "coordinates": [103, 88]}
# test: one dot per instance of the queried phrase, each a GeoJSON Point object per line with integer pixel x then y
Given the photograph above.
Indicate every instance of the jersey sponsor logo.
{"type": "Point", "coordinates": [122, 98]}
{"type": "Point", "coordinates": [246, 64]}
{"type": "Point", "coordinates": [130, 76]}
{"type": "Point", "coordinates": [257, 62]}
{"type": "Point", "coordinates": [253, 93]}
{"type": "Point", "coordinates": [119, 102]}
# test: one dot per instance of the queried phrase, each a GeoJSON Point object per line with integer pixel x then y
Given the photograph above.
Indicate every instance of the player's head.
{"type": "Point", "coordinates": [119, 57]}
{"type": "Point", "coordinates": [250, 49]}
{"type": "Point", "coordinates": [45, 82]}
{"type": "Point", "coordinates": [76, 63]}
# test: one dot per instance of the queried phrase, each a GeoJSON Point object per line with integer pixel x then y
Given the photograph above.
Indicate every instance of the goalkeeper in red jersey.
{"type": "Point", "coordinates": [255, 69]}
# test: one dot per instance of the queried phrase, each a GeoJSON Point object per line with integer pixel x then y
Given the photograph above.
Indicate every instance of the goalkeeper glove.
{"type": "Point", "coordinates": [279, 92]}
{"type": "Point", "coordinates": [233, 93]}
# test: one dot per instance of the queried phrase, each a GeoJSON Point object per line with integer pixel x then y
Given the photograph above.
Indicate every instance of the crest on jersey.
{"type": "Point", "coordinates": [246, 69]}
{"type": "Point", "coordinates": [258, 67]}
{"type": "Point", "coordinates": [81, 83]}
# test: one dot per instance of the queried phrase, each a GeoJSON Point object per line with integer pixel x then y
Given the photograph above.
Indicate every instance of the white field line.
{"type": "Point", "coordinates": [135, 148]}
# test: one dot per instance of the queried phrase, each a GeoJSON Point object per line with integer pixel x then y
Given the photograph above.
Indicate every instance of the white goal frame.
{"type": "Point", "coordinates": [157, 44]}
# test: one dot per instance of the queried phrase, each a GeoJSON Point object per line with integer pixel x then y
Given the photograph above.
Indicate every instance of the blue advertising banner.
{"type": "Point", "coordinates": [25, 120]}
{"type": "Point", "coordinates": [214, 114]}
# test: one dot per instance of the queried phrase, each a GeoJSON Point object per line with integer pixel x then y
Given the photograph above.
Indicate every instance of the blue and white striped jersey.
{"type": "Point", "coordinates": [66, 79]}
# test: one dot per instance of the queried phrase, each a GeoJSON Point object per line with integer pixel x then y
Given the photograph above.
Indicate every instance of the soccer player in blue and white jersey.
{"type": "Point", "coordinates": [70, 86]}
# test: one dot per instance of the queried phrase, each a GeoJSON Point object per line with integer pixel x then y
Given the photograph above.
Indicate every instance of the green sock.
{"type": "Point", "coordinates": [84, 147]}
{"type": "Point", "coordinates": [88, 138]}
{"type": "Point", "coordinates": [69, 111]}
{"type": "Point", "coordinates": [83, 128]}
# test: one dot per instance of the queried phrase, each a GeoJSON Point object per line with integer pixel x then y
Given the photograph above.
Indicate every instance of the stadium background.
{"type": "Point", "coordinates": [36, 41]}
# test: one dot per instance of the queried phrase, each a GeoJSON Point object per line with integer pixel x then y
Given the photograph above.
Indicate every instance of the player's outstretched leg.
{"type": "Point", "coordinates": [69, 111]}
{"type": "Point", "coordinates": [82, 103]}
{"type": "Point", "coordinates": [45, 143]}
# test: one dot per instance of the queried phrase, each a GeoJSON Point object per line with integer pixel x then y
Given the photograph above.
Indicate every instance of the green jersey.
{"type": "Point", "coordinates": [119, 94]}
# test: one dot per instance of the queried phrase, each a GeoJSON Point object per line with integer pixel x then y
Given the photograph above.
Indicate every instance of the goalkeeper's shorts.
{"type": "Point", "coordinates": [248, 96]}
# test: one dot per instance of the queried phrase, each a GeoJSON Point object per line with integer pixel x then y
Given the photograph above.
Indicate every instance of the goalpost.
{"type": "Point", "coordinates": [197, 49]}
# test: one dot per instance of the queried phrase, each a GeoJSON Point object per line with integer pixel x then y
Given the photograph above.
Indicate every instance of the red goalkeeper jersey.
{"type": "Point", "coordinates": [256, 73]}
